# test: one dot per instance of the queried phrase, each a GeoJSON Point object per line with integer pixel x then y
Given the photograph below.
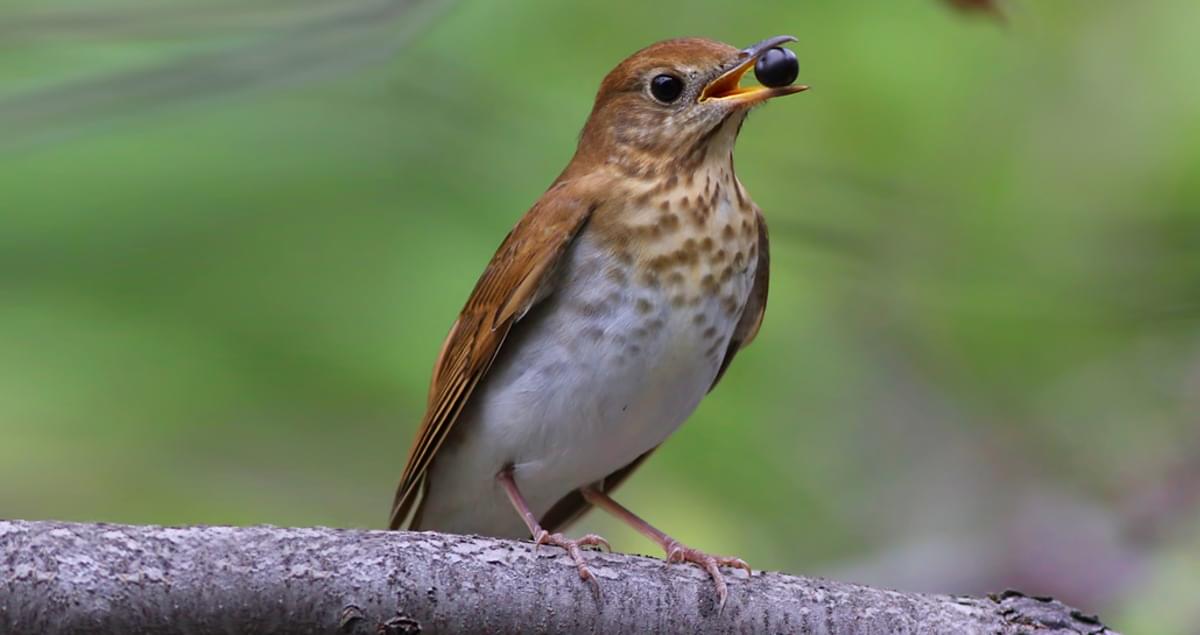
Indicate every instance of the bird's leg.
{"type": "Point", "coordinates": [543, 537]}
{"type": "Point", "coordinates": [675, 551]}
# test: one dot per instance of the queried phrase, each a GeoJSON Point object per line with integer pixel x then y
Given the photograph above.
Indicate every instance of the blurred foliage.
{"type": "Point", "coordinates": [233, 234]}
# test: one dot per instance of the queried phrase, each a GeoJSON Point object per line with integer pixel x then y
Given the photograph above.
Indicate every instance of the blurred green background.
{"type": "Point", "coordinates": [233, 234]}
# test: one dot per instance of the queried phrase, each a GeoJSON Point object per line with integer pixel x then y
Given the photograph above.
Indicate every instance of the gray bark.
{"type": "Point", "coordinates": [95, 578]}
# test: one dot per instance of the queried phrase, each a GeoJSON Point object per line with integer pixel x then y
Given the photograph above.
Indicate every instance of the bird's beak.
{"type": "Point", "coordinates": [726, 87]}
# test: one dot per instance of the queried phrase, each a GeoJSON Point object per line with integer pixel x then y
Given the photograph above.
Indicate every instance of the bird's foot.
{"type": "Point", "coordinates": [712, 564]}
{"type": "Point", "coordinates": [574, 549]}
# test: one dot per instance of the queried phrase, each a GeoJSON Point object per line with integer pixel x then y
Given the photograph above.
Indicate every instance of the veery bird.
{"type": "Point", "coordinates": [609, 311]}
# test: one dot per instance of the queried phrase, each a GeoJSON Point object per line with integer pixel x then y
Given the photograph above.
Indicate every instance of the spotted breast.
{"type": "Point", "coordinates": [615, 360]}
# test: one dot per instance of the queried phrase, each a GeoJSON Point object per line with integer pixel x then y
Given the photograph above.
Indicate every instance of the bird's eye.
{"type": "Point", "coordinates": [666, 88]}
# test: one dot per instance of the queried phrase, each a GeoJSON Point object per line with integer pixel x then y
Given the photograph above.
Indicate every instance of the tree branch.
{"type": "Point", "coordinates": [68, 577]}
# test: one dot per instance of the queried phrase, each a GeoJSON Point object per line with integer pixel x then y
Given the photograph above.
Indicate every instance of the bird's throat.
{"type": "Point", "coordinates": [691, 234]}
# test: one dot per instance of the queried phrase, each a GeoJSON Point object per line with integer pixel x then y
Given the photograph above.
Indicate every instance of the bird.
{"type": "Point", "coordinates": [613, 306]}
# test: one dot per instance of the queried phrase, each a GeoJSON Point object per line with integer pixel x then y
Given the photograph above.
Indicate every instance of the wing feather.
{"type": "Point", "coordinates": [519, 275]}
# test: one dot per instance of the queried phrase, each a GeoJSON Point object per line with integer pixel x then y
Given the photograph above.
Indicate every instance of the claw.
{"type": "Point", "coordinates": [572, 548]}
{"type": "Point", "coordinates": [592, 540]}
{"type": "Point", "coordinates": [540, 538]}
{"type": "Point", "coordinates": [679, 553]}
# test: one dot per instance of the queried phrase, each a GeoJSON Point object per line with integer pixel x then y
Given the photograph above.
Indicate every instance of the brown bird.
{"type": "Point", "coordinates": [608, 312]}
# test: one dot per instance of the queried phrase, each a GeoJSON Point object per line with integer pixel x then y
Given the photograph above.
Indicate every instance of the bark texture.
{"type": "Point", "coordinates": [95, 578]}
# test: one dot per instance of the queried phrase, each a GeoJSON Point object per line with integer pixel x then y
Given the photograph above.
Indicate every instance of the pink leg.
{"type": "Point", "coordinates": [543, 537]}
{"type": "Point", "coordinates": [676, 552]}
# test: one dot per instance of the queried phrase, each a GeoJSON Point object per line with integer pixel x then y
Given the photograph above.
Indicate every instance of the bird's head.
{"type": "Point", "coordinates": [679, 101]}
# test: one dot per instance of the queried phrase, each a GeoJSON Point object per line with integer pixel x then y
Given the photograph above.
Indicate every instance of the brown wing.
{"type": "Point", "coordinates": [756, 304]}
{"type": "Point", "coordinates": [518, 276]}
{"type": "Point", "coordinates": [568, 509]}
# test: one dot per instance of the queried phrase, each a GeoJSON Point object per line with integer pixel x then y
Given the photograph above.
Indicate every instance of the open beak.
{"type": "Point", "coordinates": [727, 86]}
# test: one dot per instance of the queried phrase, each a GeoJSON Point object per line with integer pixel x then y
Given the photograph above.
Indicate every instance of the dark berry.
{"type": "Point", "coordinates": [777, 67]}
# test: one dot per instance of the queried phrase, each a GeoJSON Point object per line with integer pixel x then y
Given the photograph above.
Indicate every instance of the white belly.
{"type": "Point", "coordinates": [599, 373]}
